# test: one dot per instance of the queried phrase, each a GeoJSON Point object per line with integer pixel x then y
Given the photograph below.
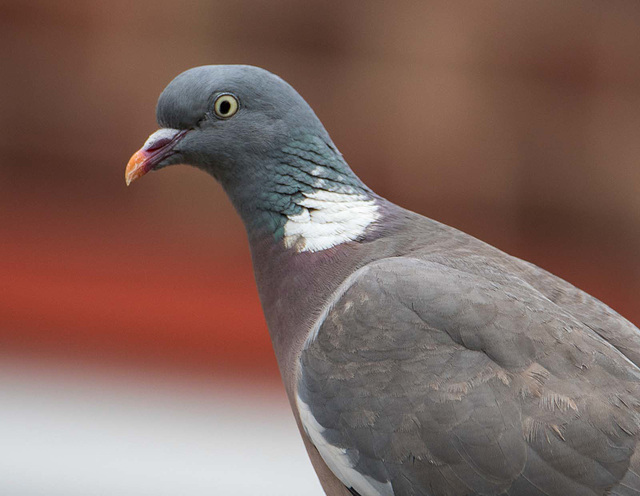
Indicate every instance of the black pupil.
{"type": "Point", "coordinates": [225, 107]}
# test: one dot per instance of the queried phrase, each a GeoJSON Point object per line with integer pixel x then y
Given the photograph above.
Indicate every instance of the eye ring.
{"type": "Point", "coordinates": [225, 106]}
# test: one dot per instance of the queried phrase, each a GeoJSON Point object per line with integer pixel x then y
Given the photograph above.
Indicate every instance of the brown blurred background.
{"type": "Point", "coordinates": [518, 122]}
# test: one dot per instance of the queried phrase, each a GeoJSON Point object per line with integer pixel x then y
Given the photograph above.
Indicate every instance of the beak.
{"type": "Point", "coordinates": [158, 146]}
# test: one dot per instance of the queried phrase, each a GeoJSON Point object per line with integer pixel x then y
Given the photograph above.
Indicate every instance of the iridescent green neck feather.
{"type": "Point", "coordinates": [308, 198]}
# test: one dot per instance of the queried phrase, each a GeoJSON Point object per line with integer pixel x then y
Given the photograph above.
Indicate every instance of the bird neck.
{"type": "Point", "coordinates": [294, 286]}
{"type": "Point", "coordinates": [306, 198]}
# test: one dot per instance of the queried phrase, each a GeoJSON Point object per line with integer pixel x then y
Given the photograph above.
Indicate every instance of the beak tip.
{"type": "Point", "coordinates": [135, 168]}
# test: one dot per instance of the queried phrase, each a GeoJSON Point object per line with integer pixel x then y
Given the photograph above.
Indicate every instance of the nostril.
{"type": "Point", "coordinates": [160, 139]}
{"type": "Point", "coordinates": [157, 143]}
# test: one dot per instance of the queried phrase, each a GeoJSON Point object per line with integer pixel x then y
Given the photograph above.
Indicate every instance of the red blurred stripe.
{"type": "Point", "coordinates": [99, 299]}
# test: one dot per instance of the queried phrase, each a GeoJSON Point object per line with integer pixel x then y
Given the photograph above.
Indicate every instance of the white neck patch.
{"type": "Point", "coordinates": [329, 219]}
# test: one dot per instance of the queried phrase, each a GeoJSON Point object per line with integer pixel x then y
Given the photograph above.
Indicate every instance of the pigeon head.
{"type": "Point", "coordinates": [256, 135]}
{"type": "Point", "coordinates": [223, 119]}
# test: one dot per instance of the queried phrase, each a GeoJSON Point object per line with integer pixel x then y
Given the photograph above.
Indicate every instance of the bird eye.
{"type": "Point", "coordinates": [225, 106]}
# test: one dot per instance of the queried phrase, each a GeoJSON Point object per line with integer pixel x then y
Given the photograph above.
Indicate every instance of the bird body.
{"type": "Point", "coordinates": [418, 360]}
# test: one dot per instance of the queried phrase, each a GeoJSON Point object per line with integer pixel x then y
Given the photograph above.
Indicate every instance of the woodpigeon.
{"type": "Point", "coordinates": [418, 360]}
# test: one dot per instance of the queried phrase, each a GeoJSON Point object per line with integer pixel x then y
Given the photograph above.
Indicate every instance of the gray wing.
{"type": "Point", "coordinates": [592, 312]}
{"type": "Point", "coordinates": [425, 380]}
{"type": "Point", "coordinates": [484, 260]}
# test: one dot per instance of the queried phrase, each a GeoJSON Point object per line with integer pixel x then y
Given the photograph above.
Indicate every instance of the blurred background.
{"type": "Point", "coordinates": [134, 359]}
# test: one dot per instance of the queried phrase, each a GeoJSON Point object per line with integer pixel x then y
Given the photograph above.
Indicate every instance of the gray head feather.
{"type": "Point", "coordinates": [188, 99]}
{"type": "Point", "coordinates": [270, 113]}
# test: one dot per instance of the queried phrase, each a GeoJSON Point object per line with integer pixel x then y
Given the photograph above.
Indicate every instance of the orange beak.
{"type": "Point", "coordinates": [137, 166]}
{"type": "Point", "coordinates": [158, 147]}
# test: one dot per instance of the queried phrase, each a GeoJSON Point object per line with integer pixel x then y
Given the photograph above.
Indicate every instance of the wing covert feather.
{"type": "Point", "coordinates": [443, 383]}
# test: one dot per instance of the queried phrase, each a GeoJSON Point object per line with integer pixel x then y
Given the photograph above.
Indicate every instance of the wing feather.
{"type": "Point", "coordinates": [434, 381]}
